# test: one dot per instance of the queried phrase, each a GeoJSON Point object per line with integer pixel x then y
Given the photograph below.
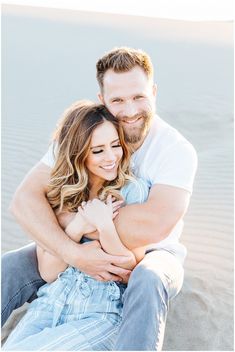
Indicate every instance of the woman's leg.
{"type": "Point", "coordinates": [20, 279]}
{"type": "Point", "coordinates": [82, 335]}
{"type": "Point", "coordinates": [33, 322]}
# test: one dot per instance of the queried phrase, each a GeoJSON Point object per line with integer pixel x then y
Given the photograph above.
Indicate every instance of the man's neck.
{"type": "Point", "coordinates": [135, 146]}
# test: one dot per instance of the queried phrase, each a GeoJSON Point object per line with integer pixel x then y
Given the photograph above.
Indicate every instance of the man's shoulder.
{"type": "Point", "coordinates": [164, 135]}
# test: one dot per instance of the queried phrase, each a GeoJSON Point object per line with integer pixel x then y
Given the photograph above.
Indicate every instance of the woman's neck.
{"type": "Point", "coordinates": [94, 190]}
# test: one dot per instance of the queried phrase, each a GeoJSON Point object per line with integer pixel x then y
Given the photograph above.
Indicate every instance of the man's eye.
{"type": "Point", "coordinates": [117, 101]}
{"type": "Point", "coordinates": [97, 151]}
{"type": "Point", "coordinates": [139, 97]}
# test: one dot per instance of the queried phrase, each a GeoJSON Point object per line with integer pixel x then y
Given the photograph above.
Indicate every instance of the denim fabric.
{"type": "Point", "coordinates": [153, 283]}
{"type": "Point", "coordinates": [74, 312]}
{"type": "Point", "coordinates": [20, 279]}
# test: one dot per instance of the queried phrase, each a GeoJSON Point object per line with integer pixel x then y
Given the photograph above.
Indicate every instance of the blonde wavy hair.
{"type": "Point", "coordinates": [69, 183]}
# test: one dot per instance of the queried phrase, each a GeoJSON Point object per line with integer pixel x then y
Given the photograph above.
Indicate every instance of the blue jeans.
{"type": "Point", "coordinates": [20, 279]}
{"type": "Point", "coordinates": [75, 312]}
{"type": "Point", "coordinates": [153, 283]}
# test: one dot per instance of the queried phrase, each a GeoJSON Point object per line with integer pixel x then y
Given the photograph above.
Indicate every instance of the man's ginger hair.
{"type": "Point", "coordinates": [123, 59]}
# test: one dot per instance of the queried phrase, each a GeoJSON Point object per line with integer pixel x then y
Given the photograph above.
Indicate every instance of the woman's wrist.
{"type": "Point", "coordinates": [70, 250]}
{"type": "Point", "coordinates": [106, 227]}
{"type": "Point", "coordinates": [73, 232]}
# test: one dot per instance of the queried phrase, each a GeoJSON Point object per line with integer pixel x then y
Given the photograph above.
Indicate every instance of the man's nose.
{"type": "Point", "coordinates": [130, 110]}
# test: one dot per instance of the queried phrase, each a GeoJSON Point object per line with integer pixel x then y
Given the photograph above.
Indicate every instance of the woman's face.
{"type": "Point", "coordinates": [105, 153]}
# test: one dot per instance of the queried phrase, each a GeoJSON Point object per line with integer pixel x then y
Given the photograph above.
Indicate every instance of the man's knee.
{"type": "Point", "coordinates": [17, 263]}
{"type": "Point", "coordinates": [146, 281]}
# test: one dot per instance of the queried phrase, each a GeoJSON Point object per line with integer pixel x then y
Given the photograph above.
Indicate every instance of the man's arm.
{"type": "Point", "coordinates": [142, 224]}
{"type": "Point", "coordinates": [33, 212]}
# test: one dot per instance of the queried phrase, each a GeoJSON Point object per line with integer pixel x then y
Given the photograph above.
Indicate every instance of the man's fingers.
{"type": "Point", "coordinates": [116, 270]}
{"type": "Point", "coordinates": [110, 277]}
{"type": "Point", "coordinates": [118, 259]}
{"type": "Point", "coordinates": [106, 276]}
{"type": "Point", "coordinates": [99, 278]}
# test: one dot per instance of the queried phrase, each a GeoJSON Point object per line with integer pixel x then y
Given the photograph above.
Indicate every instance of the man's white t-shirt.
{"type": "Point", "coordinates": [166, 158]}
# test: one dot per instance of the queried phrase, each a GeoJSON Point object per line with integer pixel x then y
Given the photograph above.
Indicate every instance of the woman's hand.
{"type": "Point", "coordinates": [98, 213]}
{"type": "Point", "coordinates": [75, 225]}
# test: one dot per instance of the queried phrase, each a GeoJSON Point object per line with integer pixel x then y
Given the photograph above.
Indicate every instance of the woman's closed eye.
{"type": "Point", "coordinates": [97, 151]}
{"type": "Point", "coordinates": [116, 146]}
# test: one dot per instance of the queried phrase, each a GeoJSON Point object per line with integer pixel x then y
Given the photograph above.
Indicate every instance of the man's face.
{"type": "Point", "coordinates": [130, 96]}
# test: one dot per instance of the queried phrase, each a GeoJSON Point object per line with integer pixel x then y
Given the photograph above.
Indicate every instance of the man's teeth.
{"type": "Point", "coordinates": [108, 167]}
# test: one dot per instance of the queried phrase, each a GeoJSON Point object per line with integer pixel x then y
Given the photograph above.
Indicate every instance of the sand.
{"type": "Point", "coordinates": [49, 61]}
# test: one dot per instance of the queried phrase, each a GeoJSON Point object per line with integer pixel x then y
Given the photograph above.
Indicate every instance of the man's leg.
{"type": "Point", "coordinates": [156, 279]}
{"type": "Point", "coordinates": [20, 279]}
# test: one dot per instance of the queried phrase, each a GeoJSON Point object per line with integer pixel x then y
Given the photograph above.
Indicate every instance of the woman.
{"type": "Point", "coordinates": [90, 179]}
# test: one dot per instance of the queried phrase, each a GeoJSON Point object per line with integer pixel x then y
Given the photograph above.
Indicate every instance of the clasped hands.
{"type": "Point", "coordinates": [99, 214]}
{"type": "Point", "coordinates": [92, 217]}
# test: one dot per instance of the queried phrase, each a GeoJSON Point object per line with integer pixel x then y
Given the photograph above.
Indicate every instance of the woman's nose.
{"type": "Point", "coordinates": [110, 155]}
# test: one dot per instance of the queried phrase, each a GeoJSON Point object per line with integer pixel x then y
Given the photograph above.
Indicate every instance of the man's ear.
{"type": "Point", "coordinates": [100, 97]}
{"type": "Point", "coordinates": [155, 90]}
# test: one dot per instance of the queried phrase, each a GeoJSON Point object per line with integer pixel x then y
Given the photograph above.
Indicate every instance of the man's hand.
{"type": "Point", "coordinates": [93, 261]}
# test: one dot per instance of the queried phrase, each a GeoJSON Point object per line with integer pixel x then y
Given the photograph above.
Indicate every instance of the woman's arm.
{"type": "Point", "coordinates": [112, 244]}
{"type": "Point", "coordinates": [50, 266]}
{"type": "Point", "coordinates": [100, 215]}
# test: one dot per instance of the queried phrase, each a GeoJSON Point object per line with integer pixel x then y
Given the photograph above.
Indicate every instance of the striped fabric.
{"type": "Point", "coordinates": [75, 312]}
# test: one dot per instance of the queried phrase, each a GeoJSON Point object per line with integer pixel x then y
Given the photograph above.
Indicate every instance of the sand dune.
{"type": "Point", "coordinates": [49, 61]}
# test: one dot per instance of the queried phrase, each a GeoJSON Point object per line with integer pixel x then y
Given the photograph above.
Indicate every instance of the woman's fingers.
{"type": "Point", "coordinates": [117, 205]}
{"type": "Point", "coordinates": [115, 214]}
{"type": "Point", "coordinates": [81, 211]}
{"type": "Point", "coordinates": [109, 200]}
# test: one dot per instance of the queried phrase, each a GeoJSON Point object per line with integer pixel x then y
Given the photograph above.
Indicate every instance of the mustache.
{"type": "Point", "coordinates": [143, 114]}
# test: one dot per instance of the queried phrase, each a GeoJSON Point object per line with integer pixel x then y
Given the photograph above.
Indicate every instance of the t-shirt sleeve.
{"type": "Point", "coordinates": [135, 191]}
{"type": "Point", "coordinates": [49, 157]}
{"type": "Point", "coordinates": [178, 167]}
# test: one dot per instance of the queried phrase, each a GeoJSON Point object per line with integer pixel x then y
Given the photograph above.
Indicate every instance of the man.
{"type": "Point", "coordinates": [167, 161]}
